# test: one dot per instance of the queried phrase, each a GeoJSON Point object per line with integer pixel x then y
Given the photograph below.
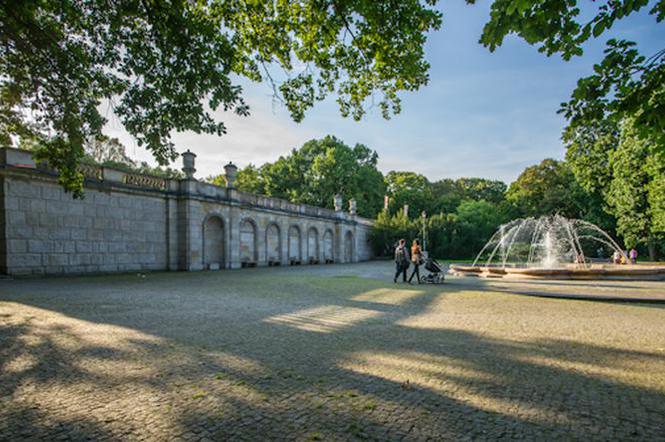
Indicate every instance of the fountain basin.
{"type": "Point", "coordinates": [572, 271]}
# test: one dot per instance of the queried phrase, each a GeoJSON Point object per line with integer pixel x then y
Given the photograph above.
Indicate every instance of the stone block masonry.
{"type": "Point", "coordinates": [130, 222]}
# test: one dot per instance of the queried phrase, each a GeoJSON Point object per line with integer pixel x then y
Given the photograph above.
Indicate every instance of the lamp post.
{"type": "Point", "coordinates": [423, 215]}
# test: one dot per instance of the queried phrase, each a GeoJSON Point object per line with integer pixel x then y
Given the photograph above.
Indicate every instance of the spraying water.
{"type": "Point", "coordinates": [548, 242]}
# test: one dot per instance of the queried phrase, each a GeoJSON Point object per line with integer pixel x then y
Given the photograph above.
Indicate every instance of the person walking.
{"type": "Point", "coordinates": [633, 256]}
{"type": "Point", "coordinates": [416, 259]}
{"type": "Point", "coordinates": [401, 260]}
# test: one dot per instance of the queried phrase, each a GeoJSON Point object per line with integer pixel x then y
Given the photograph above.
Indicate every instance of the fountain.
{"type": "Point", "coordinates": [554, 247]}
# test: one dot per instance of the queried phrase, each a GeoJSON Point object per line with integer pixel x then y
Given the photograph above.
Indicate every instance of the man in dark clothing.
{"type": "Point", "coordinates": [401, 260]}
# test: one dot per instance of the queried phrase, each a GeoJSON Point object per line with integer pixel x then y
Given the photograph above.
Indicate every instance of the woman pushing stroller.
{"type": "Point", "coordinates": [416, 259]}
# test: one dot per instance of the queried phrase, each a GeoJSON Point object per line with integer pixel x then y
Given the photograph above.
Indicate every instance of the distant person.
{"type": "Point", "coordinates": [600, 253]}
{"type": "Point", "coordinates": [633, 256]}
{"type": "Point", "coordinates": [416, 259]}
{"type": "Point", "coordinates": [616, 257]}
{"type": "Point", "coordinates": [401, 260]}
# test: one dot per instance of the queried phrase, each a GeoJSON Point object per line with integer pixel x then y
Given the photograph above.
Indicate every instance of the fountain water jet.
{"type": "Point", "coordinates": [553, 247]}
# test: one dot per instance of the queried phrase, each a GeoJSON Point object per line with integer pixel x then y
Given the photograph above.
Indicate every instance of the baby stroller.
{"type": "Point", "coordinates": [435, 275]}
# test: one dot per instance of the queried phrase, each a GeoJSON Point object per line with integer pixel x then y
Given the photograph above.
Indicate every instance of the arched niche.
{"type": "Point", "coordinates": [348, 247]}
{"type": "Point", "coordinates": [328, 246]}
{"type": "Point", "coordinates": [273, 245]}
{"type": "Point", "coordinates": [294, 245]}
{"type": "Point", "coordinates": [213, 243]}
{"type": "Point", "coordinates": [248, 252]}
{"type": "Point", "coordinates": [312, 245]}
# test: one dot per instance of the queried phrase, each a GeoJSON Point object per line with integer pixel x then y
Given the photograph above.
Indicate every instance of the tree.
{"type": "Point", "coordinates": [409, 188]}
{"type": "Point", "coordinates": [478, 189]}
{"type": "Point", "coordinates": [624, 177]}
{"type": "Point", "coordinates": [448, 193]}
{"type": "Point", "coordinates": [389, 229]}
{"type": "Point", "coordinates": [545, 189]}
{"type": "Point", "coordinates": [167, 66]}
{"type": "Point", "coordinates": [316, 172]}
{"type": "Point", "coordinates": [635, 192]}
{"type": "Point", "coordinates": [476, 223]}
{"type": "Point", "coordinates": [249, 179]}
{"type": "Point", "coordinates": [588, 151]}
{"type": "Point", "coordinates": [104, 149]}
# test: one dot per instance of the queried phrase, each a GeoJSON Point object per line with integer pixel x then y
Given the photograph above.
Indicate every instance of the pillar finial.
{"type": "Point", "coordinates": [338, 202]}
{"type": "Point", "coordinates": [188, 159]}
{"type": "Point", "coordinates": [230, 173]}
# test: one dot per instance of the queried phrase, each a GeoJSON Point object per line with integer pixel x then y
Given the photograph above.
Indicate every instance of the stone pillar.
{"type": "Point", "coordinates": [284, 242]}
{"type": "Point", "coordinates": [172, 221]}
{"type": "Point", "coordinates": [354, 248]}
{"type": "Point", "coordinates": [338, 243]}
{"type": "Point", "coordinates": [303, 242]}
{"type": "Point", "coordinates": [190, 228]}
{"type": "Point", "coordinates": [353, 209]}
{"type": "Point", "coordinates": [234, 234]}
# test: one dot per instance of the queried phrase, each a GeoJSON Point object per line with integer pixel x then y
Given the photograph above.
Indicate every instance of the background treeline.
{"type": "Point", "coordinates": [610, 177]}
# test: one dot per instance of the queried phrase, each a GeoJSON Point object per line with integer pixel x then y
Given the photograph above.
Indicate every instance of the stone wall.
{"type": "Point", "coordinates": [129, 222]}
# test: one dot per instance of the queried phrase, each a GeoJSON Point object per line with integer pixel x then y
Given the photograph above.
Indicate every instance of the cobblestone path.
{"type": "Point", "coordinates": [325, 353]}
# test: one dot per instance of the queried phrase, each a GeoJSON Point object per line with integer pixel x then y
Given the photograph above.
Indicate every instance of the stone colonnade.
{"type": "Point", "coordinates": [129, 222]}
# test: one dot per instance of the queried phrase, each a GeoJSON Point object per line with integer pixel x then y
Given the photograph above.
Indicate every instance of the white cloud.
{"type": "Point", "coordinates": [261, 137]}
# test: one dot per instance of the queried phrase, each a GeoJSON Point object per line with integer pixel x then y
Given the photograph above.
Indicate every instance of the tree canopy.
{"type": "Point", "coordinates": [625, 174]}
{"type": "Point", "coordinates": [545, 189]}
{"type": "Point", "coordinates": [316, 172]}
{"type": "Point", "coordinates": [167, 66]}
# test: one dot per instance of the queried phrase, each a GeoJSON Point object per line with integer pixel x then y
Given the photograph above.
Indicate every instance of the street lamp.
{"type": "Point", "coordinates": [423, 215]}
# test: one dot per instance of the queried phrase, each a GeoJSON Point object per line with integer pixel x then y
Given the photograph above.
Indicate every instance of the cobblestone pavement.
{"type": "Point", "coordinates": [325, 353]}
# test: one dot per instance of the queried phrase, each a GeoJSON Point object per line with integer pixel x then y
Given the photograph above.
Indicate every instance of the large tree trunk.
{"type": "Point", "coordinates": [651, 246]}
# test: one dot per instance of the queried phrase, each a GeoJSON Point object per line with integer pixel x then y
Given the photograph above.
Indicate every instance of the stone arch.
{"type": "Point", "coordinates": [213, 242]}
{"type": "Point", "coordinates": [312, 245]}
{"type": "Point", "coordinates": [273, 244]}
{"type": "Point", "coordinates": [348, 247]}
{"type": "Point", "coordinates": [328, 245]}
{"type": "Point", "coordinates": [294, 245]}
{"type": "Point", "coordinates": [248, 249]}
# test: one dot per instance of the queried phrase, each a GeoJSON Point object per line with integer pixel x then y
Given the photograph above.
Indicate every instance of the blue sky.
{"type": "Point", "coordinates": [482, 114]}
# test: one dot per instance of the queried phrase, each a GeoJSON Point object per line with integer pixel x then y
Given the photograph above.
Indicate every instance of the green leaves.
{"type": "Point", "coordinates": [546, 189]}
{"type": "Point", "coordinates": [554, 25]}
{"type": "Point", "coordinates": [625, 85]}
{"type": "Point", "coordinates": [316, 172]}
{"type": "Point", "coordinates": [167, 66]}
{"type": "Point", "coordinates": [627, 173]}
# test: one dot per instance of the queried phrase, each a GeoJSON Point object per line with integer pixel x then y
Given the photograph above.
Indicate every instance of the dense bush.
{"type": "Point", "coordinates": [458, 235]}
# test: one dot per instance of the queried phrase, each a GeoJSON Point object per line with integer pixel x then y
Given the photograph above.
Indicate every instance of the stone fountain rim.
{"type": "Point", "coordinates": [571, 271]}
